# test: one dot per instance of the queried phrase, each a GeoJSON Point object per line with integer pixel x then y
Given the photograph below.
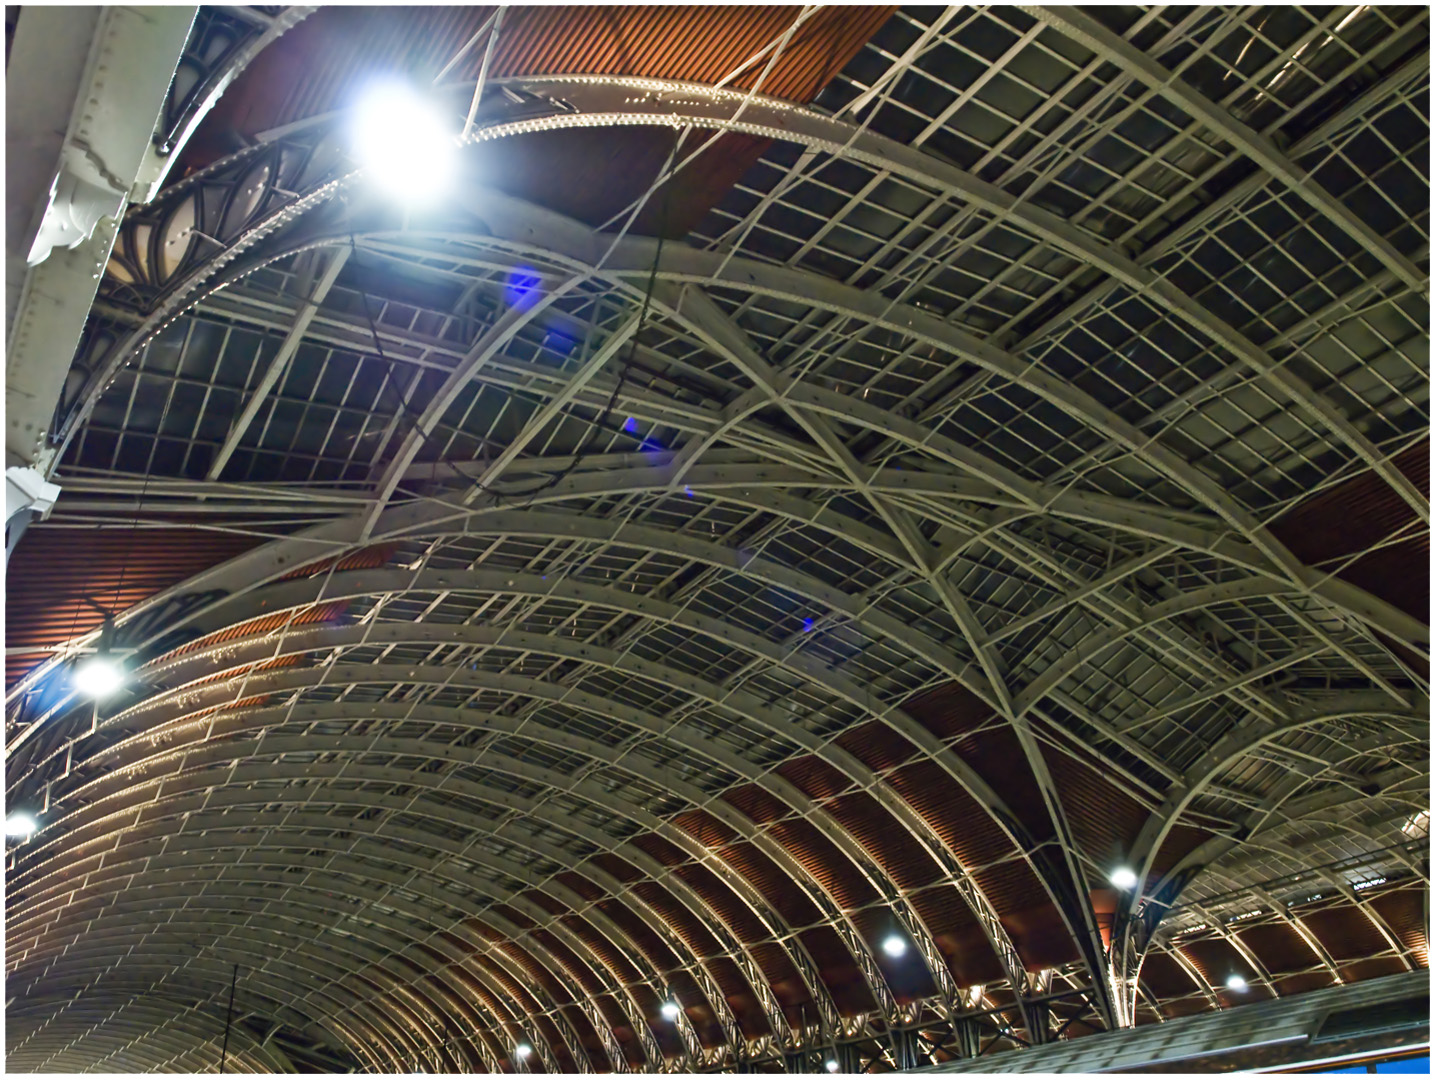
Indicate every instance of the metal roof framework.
{"type": "Point", "coordinates": [593, 665]}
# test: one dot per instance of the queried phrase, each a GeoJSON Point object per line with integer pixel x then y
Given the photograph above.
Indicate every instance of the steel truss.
{"type": "Point", "coordinates": [522, 781]}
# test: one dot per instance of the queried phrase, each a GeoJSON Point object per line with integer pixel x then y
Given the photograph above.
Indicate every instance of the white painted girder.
{"type": "Point", "coordinates": [1091, 34]}
{"type": "Point", "coordinates": [864, 484]}
{"type": "Point", "coordinates": [613, 804]}
{"type": "Point", "coordinates": [235, 654]}
{"type": "Point", "coordinates": [153, 712]}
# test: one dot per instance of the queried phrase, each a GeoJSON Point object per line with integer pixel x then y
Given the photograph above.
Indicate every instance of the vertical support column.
{"type": "Point", "coordinates": [969, 1038]}
{"type": "Point", "coordinates": [1036, 1014]}
{"type": "Point", "coordinates": [907, 1053]}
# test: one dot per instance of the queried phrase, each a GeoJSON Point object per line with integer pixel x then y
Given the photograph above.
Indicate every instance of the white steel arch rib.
{"type": "Point", "coordinates": [481, 670]}
{"type": "Point", "coordinates": [603, 102]}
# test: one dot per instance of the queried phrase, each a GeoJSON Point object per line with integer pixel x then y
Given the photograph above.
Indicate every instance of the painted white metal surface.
{"type": "Point", "coordinates": [80, 190]}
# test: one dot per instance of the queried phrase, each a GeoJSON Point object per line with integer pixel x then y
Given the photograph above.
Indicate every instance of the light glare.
{"type": "Point", "coordinates": [98, 677]}
{"type": "Point", "coordinates": [523, 1050]}
{"type": "Point", "coordinates": [19, 825]}
{"type": "Point", "coordinates": [403, 144]}
{"type": "Point", "coordinates": [1124, 878]}
{"type": "Point", "coordinates": [670, 1010]}
{"type": "Point", "coordinates": [894, 946]}
{"type": "Point", "coordinates": [1236, 982]}
{"type": "Point", "coordinates": [830, 1065]}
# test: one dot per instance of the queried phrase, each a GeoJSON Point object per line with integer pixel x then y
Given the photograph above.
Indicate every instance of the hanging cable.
{"type": "Point", "coordinates": [228, 1019]}
{"type": "Point", "coordinates": [586, 446]}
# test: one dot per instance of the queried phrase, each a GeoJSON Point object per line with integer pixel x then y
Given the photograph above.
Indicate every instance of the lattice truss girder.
{"type": "Point", "coordinates": [1018, 424]}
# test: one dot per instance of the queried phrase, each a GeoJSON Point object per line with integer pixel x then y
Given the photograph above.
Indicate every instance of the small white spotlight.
{"type": "Point", "coordinates": [1124, 877]}
{"type": "Point", "coordinates": [830, 1065]}
{"type": "Point", "coordinates": [1237, 983]}
{"type": "Point", "coordinates": [98, 677]}
{"type": "Point", "coordinates": [403, 143]}
{"type": "Point", "coordinates": [894, 946]}
{"type": "Point", "coordinates": [670, 1010]}
{"type": "Point", "coordinates": [523, 1050]}
{"type": "Point", "coordinates": [20, 825]}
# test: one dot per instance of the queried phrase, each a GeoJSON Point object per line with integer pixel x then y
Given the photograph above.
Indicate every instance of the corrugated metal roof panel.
{"type": "Point", "coordinates": [877, 745]}
{"type": "Point", "coordinates": [907, 980]}
{"type": "Point", "coordinates": [577, 970]}
{"type": "Point", "coordinates": [647, 940]}
{"type": "Point", "coordinates": [948, 710]}
{"type": "Point", "coordinates": [885, 841]}
{"type": "Point", "coordinates": [367, 558]}
{"type": "Point", "coordinates": [1165, 977]}
{"type": "Point", "coordinates": [589, 175]}
{"type": "Point", "coordinates": [1373, 968]}
{"type": "Point", "coordinates": [774, 885]}
{"type": "Point", "coordinates": [783, 977]}
{"type": "Point", "coordinates": [839, 971]}
{"type": "Point", "coordinates": [697, 936]}
{"type": "Point", "coordinates": [736, 915]}
{"type": "Point", "coordinates": [703, 827]}
{"type": "Point", "coordinates": [741, 999]}
{"type": "Point", "coordinates": [267, 624]}
{"type": "Point", "coordinates": [1329, 527]}
{"type": "Point", "coordinates": [1402, 910]}
{"type": "Point", "coordinates": [581, 885]}
{"type": "Point", "coordinates": [954, 713]}
{"type": "Point", "coordinates": [58, 580]}
{"type": "Point", "coordinates": [323, 62]}
{"type": "Point", "coordinates": [1104, 819]}
{"type": "Point", "coordinates": [1344, 932]}
{"type": "Point", "coordinates": [1279, 947]}
{"type": "Point", "coordinates": [611, 955]}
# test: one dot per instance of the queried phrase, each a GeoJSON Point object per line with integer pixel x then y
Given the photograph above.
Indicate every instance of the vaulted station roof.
{"type": "Point", "coordinates": [830, 489]}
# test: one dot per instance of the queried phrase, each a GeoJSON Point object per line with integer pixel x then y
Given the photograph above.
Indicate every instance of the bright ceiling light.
{"type": "Point", "coordinates": [98, 677]}
{"type": "Point", "coordinates": [830, 1065]}
{"type": "Point", "coordinates": [1236, 982]}
{"type": "Point", "coordinates": [670, 1010]}
{"type": "Point", "coordinates": [403, 144]}
{"type": "Point", "coordinates": [1124, 877]}
{"type": "Point", "coordinates": [523, 1050]}
{"type": "Point", "coordinates": [20, 825]}
{"type": "Point", "coordinates": [894, 946]}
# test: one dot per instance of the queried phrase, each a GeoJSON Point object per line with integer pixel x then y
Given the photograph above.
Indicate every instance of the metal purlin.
{"type": "Point", "coordinates": [1105, 603]}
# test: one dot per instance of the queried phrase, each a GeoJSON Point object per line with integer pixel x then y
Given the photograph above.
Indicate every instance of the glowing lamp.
{"type": "Point", "coordinates": [894, 946]}
{"type": "Point", "coordinates": [670, 1010]}
{"type": "Point", "coordinates": [403, 144]}
{"type": "Point", "coordinates": [1124, 877]}
{"type": "Point", "coordinates": [19, 825]}
{"type": "Point", "coordinates": [98, 676]}
{"type": "Point", "coordinates": [1237, 983]}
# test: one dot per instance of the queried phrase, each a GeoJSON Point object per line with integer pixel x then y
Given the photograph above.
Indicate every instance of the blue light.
{"type": "Point", "coordinates": [522, 288]}
{"type": "Point", "coordinates": [631, 426]}
{"type": "Point", "coordinates": [1408, 1065]}
{"type": "Point", "coordinates": [651, 446]}
{"type": "Point", "coordinates": [807, 626]}
{"type": "Point", "coordinates": [688, 491]}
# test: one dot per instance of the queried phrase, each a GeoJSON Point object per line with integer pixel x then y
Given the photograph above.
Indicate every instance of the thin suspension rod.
{"type": "Point", "coordinates": [228, 1019]}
